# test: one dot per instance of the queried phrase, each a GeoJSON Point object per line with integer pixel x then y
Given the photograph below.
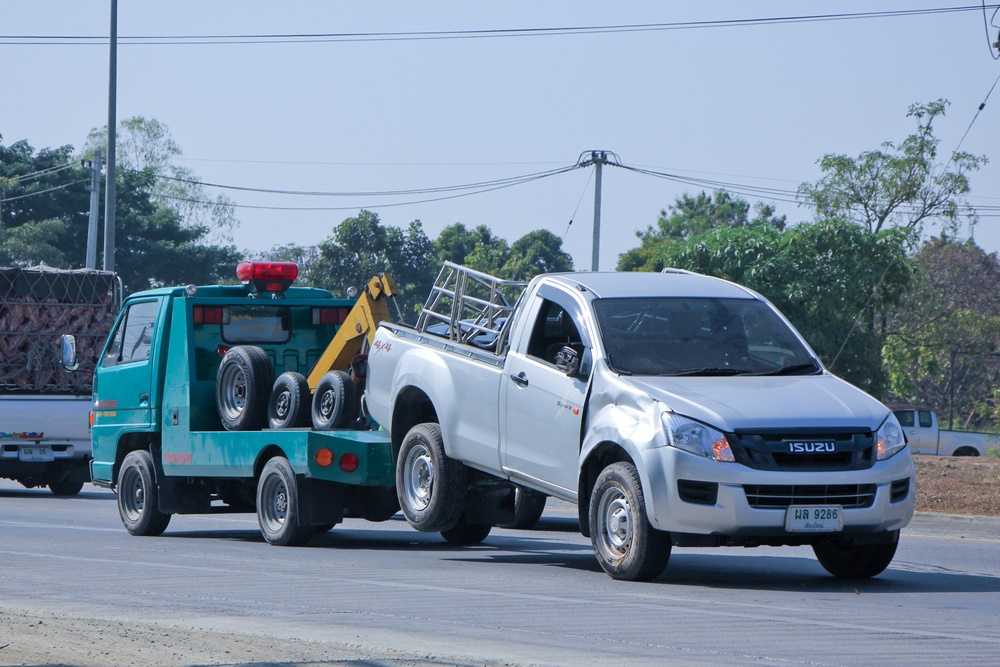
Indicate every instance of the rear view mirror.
{"type": "Point", "coordinates": [568, 361]}
{"type": "Point", "coordinates": [68, 352]}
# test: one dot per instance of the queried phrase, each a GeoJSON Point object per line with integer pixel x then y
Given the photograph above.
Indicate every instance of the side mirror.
{"type": "Point", "coordinates": [68, 352]}
{"type": "Point", "coordinates": [568, 361]}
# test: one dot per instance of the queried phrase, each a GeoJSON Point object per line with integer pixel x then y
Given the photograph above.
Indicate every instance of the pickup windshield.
{"type": "Point", "coordinates": [699, 336]}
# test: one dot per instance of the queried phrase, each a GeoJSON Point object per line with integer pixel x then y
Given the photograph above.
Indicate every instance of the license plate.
{"type": "Point", "coordinates": [37, 453]}
{"type": "Point", "coordinates": [814, 519]}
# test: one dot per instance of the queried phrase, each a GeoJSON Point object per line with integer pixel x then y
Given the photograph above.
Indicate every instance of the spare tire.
{"type": "Point", "coordinates": [242, 387]}
{"type": "Point", "coordinates": [334, 401]}
{"type": "Point", "coordinates": [288, 406]}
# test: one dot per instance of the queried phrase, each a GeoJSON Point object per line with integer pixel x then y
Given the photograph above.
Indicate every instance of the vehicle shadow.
{"type": "Point", "coordinates": [42, 492]}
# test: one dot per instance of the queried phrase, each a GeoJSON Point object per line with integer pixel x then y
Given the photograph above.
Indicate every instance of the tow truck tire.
{"type": "Point", "coordinates": [528, 508]}
{"type": "Point", "coordinates": [242, 386]}
{"type": "Point", "coordinates": [464, 532]}
{"type": "Point", "coordinates": [65, 488]}
{"type": "Point", "coordinates": [288, 406]}
{"type": "Point", "coordinates": [627, 546]}
{"type": "Point", "coordinates": [333, 403]}
{"type": "Point", "coordinates": [278, 505]}
{"type": "Point", "coordinates": [430, 485]}
{"type": "Point", "coordinates": [138, 496]}
{"type": "Point", "coordinates": [856, 561]}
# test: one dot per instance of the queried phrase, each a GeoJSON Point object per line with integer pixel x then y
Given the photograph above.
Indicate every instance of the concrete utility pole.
{"type": "Point", "coordinates": [109, 190]}
{"type": "Point", "coordinates": [598, 159]}
{"type": "Point", "coordinates": [95, 199]}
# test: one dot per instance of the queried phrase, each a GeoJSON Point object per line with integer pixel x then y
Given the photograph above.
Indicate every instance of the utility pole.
{"type": "Point", "coordinates": [109, 190]}
{"type": "Point", "coordinates": [95, 198]}
{"type": "Point", "coordinates": [598, 159]}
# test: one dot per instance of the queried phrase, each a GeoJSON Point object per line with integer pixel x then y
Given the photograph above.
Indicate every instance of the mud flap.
{"type": "Point", "coordinates": [320, 502]}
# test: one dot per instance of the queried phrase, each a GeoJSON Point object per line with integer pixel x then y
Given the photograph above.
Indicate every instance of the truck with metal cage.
{"type": "Point", "coordinates": [674, 409]}
{"type": "Point", "coordinates": [44, 410]}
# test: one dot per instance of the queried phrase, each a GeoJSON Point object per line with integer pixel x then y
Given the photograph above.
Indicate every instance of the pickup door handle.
{"type": "Point", "coordinates": [520, 379]}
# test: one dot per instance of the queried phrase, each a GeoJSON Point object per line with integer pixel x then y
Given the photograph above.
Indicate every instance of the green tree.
{"type": "Point", "coordinates": [898, 186]}
{"type": "Point", "coordinates": [536, 252]}
{"type": "Point", "coordinates": [691, 216]}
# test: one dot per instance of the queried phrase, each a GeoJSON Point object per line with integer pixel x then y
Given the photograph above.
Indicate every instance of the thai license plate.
{"type": "Point", "coordinates": [36, 453]}
{"type": "Point", "coordinates": [814, 519]}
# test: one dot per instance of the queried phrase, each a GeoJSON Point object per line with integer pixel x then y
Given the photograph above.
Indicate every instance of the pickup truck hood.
{"type": "Point", "coordinates": [738, 403]}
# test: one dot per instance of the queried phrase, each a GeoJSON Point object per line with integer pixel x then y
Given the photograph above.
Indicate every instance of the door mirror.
{"type": "Point", "coordinates": [68, 352]}
{"type": "Point", "coordinates": [568, 361]}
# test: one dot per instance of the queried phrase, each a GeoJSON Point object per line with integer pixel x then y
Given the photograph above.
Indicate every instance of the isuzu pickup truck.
{"type": "Point", "coordinates": [924, 435]}
{"type": "Point", "coordinates": [674, 409]}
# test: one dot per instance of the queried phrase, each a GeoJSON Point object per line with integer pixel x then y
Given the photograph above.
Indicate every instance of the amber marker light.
{"type": "Point", "coordinates": [323, 457]}
{"type": "Point", "coordinates": [349, 462]}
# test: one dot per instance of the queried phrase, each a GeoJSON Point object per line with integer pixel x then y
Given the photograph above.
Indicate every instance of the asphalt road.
{"type": "Point", "coordinates": [521, 597]}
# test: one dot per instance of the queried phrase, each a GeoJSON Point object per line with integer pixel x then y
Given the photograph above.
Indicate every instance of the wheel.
{"type": "Point", "coordinates": [333, 402]}
{"type": "Point", "coordinates": [848, 560]}
{"type": "Point", "coordinates": [242, 386]}
{"type": "Point", "coordinates": [288, 405]}
{"type": "Point", "coordinates": [966, 451]}
{"type": "Point", "coordinates": [65, 487]}
{"type": "Point", "coordinates": [138, 496]}
{"type": "Point", "coordinates": [627, 546]}
{"type": "Point", "coordinates": [278, 505]}
{"type": "Point", "coordinates": [430, 486]}
{"type": "Point", "coordinates": [464, 532]}
{"type": "Point", "coordinates": [376, 503]}
{"type": "Point", "coordinates": [528, 508]}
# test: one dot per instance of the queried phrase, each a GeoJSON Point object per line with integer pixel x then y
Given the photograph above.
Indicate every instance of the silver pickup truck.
{"type": "Point", "coordinates": [673, 409]}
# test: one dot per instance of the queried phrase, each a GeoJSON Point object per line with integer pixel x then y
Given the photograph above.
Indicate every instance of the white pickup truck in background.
{"type": "Point", "coordinates": [925, 437]}
{"type": "Point", "coordinates": [674, 409]}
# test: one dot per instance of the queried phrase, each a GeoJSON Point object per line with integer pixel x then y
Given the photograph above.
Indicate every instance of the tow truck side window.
{"type": "Point", "coordinates": [133, 338]}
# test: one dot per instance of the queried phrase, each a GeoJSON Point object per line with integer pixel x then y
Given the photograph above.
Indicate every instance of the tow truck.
{"type": "Point", "coordinates": [242, 398]}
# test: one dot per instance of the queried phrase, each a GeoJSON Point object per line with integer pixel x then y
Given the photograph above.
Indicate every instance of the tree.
{"type": "Point", "coordinates": [145, 144]}
{"type": "Point", "coordinates": [536, 252]}
{"type": "Point", "coordinates": [944, 344]}
{"type": "Point", "coordinates": [898, 186]}
{"type": "Point", "coordinates": [691, 216]}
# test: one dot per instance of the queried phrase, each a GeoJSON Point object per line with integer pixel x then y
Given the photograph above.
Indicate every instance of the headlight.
{"type": "Point", "coordinates": [889, 440]}
{"type": "Point", "coordinates": [697, 438]}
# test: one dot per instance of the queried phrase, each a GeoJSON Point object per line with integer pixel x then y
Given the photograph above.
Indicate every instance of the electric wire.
{"type": "Point", "coordinates": [986, 25]}
{"type": "Point", "coordinates": [42, 192]}
{"type": "Point", "coordinates": [578, 202]}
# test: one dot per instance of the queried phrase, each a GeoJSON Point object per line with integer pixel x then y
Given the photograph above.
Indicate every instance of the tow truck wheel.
{"type": "Point", "coordinates": [65, 488]}
{"type": "Point", "coordinates": [333, 402]}
{"type": "Point", "coordinates": [242, 387]}
{"type": "Point", "coordinates": [288, 406]}
{"type": "Point", "coordinates": [278, 505]}
{"type": "Point", "coordinates": [431, 487]}
{"type": "Point", "coordinates": [138, 496]}
{"type": "Point", "coordinates": [627, 546]}
{"type": "Point", "coordinates": [848, 560]}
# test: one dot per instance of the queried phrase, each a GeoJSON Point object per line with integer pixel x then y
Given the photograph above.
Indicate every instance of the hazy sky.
{"type": "Point", "coordinates": [752, 105]}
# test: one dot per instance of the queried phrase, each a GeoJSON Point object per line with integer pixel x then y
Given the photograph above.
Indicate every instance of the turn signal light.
{"type": "Point", "coordinates": [323, 457]}
{"type": "Point", "coordinates": [349, 462]}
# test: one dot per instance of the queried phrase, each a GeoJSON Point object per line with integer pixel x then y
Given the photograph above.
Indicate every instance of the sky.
{"type": "Point", "coordinates": [753, 105]}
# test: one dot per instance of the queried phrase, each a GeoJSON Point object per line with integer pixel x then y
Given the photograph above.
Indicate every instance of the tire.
{"type": "Point", "coordinates": [847, 560]}
{"type": "Point", "coordinates": [376, 503]}
{"type": "Point", "coordinates": [626, 545]}
{"type": "Point", "coordinates": [65, 488]}
{"type": "Point", "coordinates": [278, 505]}
{"type": "Point", "coordinates": [138, 496]}
{"type": "Point", "coordinates": [242, 387]}
{"type": "Point", "coordinates": [966, 451]}
{"type": "Point", "coordinates": [333, 402]}
{"type": "Point", "coordinates": [430, 486]}
{"type": "Point", "coordinates": [528, 508]}
{"type": "Point", "coordinates": [288, 404]}
{"type": "Point", "coordinates": [466, 533]}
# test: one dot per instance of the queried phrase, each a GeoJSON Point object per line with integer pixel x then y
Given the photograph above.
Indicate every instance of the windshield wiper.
{"type": "Point", "coordinates": [793, 369]}
{"type": "Point", "coordinates": [707, 371]}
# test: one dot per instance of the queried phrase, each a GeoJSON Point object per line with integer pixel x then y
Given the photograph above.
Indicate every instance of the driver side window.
{"type": "Point", "coordinates": [134, 336]}
{"type": "Point", "coordinates": [554, 329]}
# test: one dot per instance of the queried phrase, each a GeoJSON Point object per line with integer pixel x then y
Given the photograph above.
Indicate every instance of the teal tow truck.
{"type": "Point", "coordinates": [241, 398]}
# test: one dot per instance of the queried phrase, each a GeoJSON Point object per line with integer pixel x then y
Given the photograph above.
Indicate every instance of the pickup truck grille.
{"type": "Point", "coordinates": [771, 496]}
{"type": "Point", "coordinates": [804, 451]}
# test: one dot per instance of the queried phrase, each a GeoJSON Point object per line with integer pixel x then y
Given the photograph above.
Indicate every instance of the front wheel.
{"type": "Point", "coordinates": [278, 505]}
{"type": "Point", "coordinates": [848, 560]}
{"type": "Point", "coordinates": [65, 488]}
{"type": "Point", "coordinates": [429, 484]}
{"type": "Point", "coordinates": [466, 533]}
{"type": "Point", "coordinates": [627, 546]}
{"type": "Point", "coordinates": [137, 496]}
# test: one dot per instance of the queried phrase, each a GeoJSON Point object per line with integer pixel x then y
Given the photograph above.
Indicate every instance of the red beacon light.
{"type": "Point", "coordinates": [267, 276]}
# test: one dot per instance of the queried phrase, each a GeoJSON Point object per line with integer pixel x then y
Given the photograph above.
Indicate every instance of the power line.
{"type": "Point", "coordinates": [42, 192]}
{"type": "Point", "coordinates": [284, 38]}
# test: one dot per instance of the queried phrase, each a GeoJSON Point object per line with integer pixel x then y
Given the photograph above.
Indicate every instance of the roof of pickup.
{"type": "Point", "coordinates": [643, 284]}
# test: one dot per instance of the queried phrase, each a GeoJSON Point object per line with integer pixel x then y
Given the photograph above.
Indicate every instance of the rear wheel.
{"type": "Point", "coordinates": [333, 402]}
{"type": "Point", "coordinates": [138, 496]}
{"type": "Point", "coordinates": [242, 387]}
{"type": "Point", "coordinates": [528, 508]}
{"type": "Point", "coordinates": [288, 405]}
{"type": "Point", "coordinates": [278, 505]}
{"type": "Point", "coordinates": [848, 560]}
{"type": "Point", "coordinates": [627, 546]}
{"type": "Point", "coordinates": [464, 532]}
{"type": "Point", "coordinates": [65, 487]}
{"type": "Point", "coordinates": [966, 451]}
{"type": "Point", "coordinates": [431, 486]}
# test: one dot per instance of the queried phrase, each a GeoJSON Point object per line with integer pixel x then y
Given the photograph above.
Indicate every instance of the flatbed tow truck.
{"type": "Point", "coordinates": [242, 398]}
